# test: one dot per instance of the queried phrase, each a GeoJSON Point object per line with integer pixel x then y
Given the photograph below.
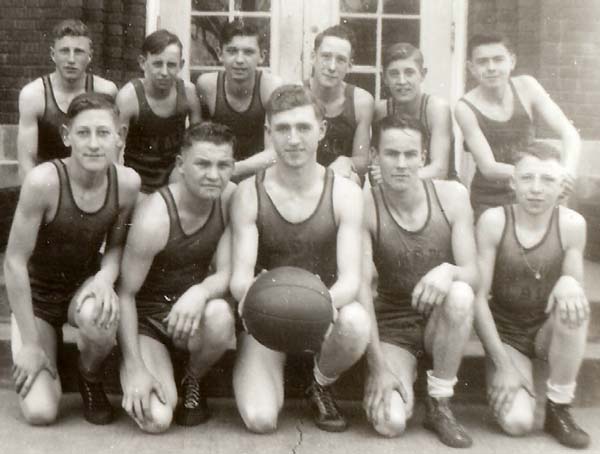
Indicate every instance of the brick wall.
{"type": "Point", "coordinates": [117, 29]}
{"type": "Point", "coordinates": [558, 42]}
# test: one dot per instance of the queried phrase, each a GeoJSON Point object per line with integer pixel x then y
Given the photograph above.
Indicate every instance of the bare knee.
{"type": "Point", "coordinates": [519, 419]}
{"type": "Point", "coordinates": [354, 324]}
{"type": "Point", "coordinates": [458, 307]}
{"type": "Point", "coordinates": [260, 419]}
{"type": "Point", "coordinates": [219, 322]}
{"type": "Point", "coordinates": [91, 333]}
{"type": "Point", "coordinates": [396, 424]}
{"type": "Point", "coordinates": [40, 406]}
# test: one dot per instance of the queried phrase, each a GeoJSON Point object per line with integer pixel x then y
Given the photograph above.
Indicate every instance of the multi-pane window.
{"type": "Point", "coordinates": [377, 24]}
{"type": "Point", "coordinates": [208, 17]}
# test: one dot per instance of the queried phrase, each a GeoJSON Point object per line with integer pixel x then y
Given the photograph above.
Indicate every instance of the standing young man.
{"type": "Point", "coordinates": [297, 213]}
{"type": "Point", "coordinates": [169, 298]}
{"type": "Point", "coordinates": [348, 109]}
{"type": "Point", "coordinates": [236, 96]}
{"type": "Point", "coordinates": [44, 102]}
{"type": "Point", "coordinates": [418, 234]}
{"type": "Point", "coordinates": [54, 273]}
{"type": "Point", "coordinates": [496, 119]}
{"type": "Point", "coordinates": [403, 75]}
{"type": "Point", "coordinates": [531, 262]}
{"type": "Point", "coordinates": [155, 110]}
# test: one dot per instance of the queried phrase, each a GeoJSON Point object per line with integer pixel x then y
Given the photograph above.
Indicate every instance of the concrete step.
{"type": "Point", "coordinates": [470, 388]}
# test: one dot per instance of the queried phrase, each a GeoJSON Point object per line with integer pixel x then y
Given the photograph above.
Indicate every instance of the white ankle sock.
{"type": "Point", "coordinates": [440, 387]}
{"type": "Point", "coordinates": [560, 394]}
{"type": "Point", "coordinates": [322, 379]}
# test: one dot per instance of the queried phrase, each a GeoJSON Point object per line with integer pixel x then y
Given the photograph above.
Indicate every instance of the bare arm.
{"type": "Point", "coordinates": [34, 201]}
{"type": "Point", "coordinates": [128, 110]}
{"type": "Point", "coordinates": [193, 103]}
{"type": "Point", "coordinates": [31, 107]}
{"type": "Point", "coordinates": [102, 85]}
{"type": "Point", "coordinates": [364, 106]}
{"type": "Point", "coordinates": [244, 238]}
{"type": "Point", "coordinates": [553, 116]}
{"type": "Point", "coordinates": [147, 236]}
{"type": "Point", "coordinates": [440, 120]}
{"type": "Point", "coordinates": [479, 146]}
{"type": "Point", "coordinates": [347, 202]}
{"type": "Point", "coordinates": [489, 232]}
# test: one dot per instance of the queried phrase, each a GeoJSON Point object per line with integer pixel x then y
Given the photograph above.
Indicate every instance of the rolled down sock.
{"type": "Point", "coordinates": [440, 387]}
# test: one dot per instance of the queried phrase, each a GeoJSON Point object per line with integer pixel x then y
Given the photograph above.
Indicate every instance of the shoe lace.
{"type": "Point", "coordinates": [565, 418]}
{"type": "Point", "coordinates": [325, 401]}
{"type": "Point", "coordinates": [94, 394]}
{"type": "Point", "coordinates": [191, 386]}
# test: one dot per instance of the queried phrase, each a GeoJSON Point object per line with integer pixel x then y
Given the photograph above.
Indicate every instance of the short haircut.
{"type": "Point", "coordinates": [538, 149]}
{"type": "Point", "coordinates": [290, 96]}
{"type": "Point", "coordinates": [70, 27]}
{"type": "Point", "coordinates": [208, 131]}
{"type": "Point", "coordinates": [91, 101]}
{"type": "Point", "coordinates": [337, 31]}
{"type": "Point", "coordinates": [489, 37]}
{"type": "Point", "coordinates": [158, 41]}
{"type": "Point", "coordinates": [402, 51]}
{"type": "Point", "coordinates": [395, 122]}
{"type": "Point", "coordinates": [240, 27]}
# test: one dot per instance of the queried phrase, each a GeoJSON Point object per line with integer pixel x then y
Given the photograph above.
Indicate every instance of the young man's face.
{"type": "Point", "coordinates": [162, 69]}
{"type": "Point", "coordinates": [403, 78]}
{"type": "Point", "coordinates": [399, 157]}
{"type": "Point", "coordinates": [332, 61]}
{"type": "Point", "coordinates": [295, 135]}
{"type": "Point", "coordinates": [94, 138]}
{"type": "Point", "coordinates": [71, 55]}
{"type": "Point", "coordinates": [206, 168]}
{"type": "Point", "coordinates": [491, 65]}
{"type": "Point", "coordinates": [537, 183]}
{"type": "Point", "coordinates": [241, 56]}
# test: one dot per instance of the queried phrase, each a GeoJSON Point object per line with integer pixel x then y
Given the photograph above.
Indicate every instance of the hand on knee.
{"type": "Point", "coordinates": [458, 306]}
{"type": "Point", "coordinates": [91, 330]}
{"type": "Point", "coordinates": [354, 325]}
{"type": "Point", "coordinates": [395, 425]}
{"type": "Point", "coordinates": [218, 325]}
{"type": "Point", "coordinates": [160, 418]}
{"type": "Point", "coordinates": [519, 419]}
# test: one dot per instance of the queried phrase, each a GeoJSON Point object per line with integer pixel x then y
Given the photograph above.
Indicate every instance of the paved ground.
{"type": "Point", "coordinates": [225, 434]}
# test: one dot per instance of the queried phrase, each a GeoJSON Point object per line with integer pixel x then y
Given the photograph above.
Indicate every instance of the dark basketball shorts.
{"type": "Point", "coordinates": [52, 308]}
{"type": "Point", "coordinates": [154, 326]}
{"type": "Point", "coordinates": [519, 331]}
{"type": "Point", "coordinates": [401, 326]}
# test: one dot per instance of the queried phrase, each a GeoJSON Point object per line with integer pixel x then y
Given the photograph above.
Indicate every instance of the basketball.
{"type": "Point", "coordinates": [288, 309]}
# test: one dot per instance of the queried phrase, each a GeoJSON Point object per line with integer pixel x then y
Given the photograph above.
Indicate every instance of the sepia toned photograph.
{"type": "Point", "coordinates": [299, 226]}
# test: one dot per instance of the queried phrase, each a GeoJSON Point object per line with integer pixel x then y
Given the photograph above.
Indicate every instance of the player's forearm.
{"type": "Point", "coordinates": [465, 273]}
{"type": "Point", "coordinates": [128, 331]}
{"type": "Point", "coordinates": [214, 286]}
{"type": "Point", "coordinates": [19, 298]}
{"type": "Point", "coordinates": [109, 268]}
{"type": "Point", "coordinates": [374, 352]}
{"type": "Point", "coordinates": [497, 170]}
{"type": "Point", "coordinates": [571, 145]}
{"type": "Point", "coordinates": [487, 332]}
{"type": "Point", "coordinates": [253, 164]}
{"type": "Point", "coordinates": [240, 283]}
{"type": "Point", "coordinates": [433, 171]}
{"type": "Point", "coordinates": [344, 291]}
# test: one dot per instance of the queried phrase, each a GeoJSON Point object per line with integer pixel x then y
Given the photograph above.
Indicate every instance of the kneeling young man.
{"type": "Point", "coordinates": [296, 213]}
{"type": "Point", "coordinates": [54, 273]}
{"type": "Point", "coordinates": [169, 298]}
{"type": "Point", "coordinates": [531, 262]}
{"type": "Point", "coordinates": [418, 234]}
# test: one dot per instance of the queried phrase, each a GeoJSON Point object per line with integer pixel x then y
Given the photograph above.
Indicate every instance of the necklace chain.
{"type": "Point", "coordinates": [536, 273]}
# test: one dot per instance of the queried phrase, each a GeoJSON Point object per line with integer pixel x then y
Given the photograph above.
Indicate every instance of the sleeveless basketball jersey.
{"type": "Point", "coordinates": [339, 136]}
{"type": "Point", "coordinates": [517, 295]}
{"type": "Point", "coordinates": [247, 126]}
{"type": "Point", "coordinates": [394, 110]}
{"type": "Point", "coordinates": [310, 244]}
{"type": "Point", "coordinates": [402, 257]}
{"type": "Point", "coordinates": [50, 143]}
{"type": "Point", "coordinates": [183, 262]}
{"type": "Point", "coordinates": [505, 139]}
{"type": "Point", "coordinates": [66, 249]}
{"type": "Point", "coordinates": [153, 142]}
